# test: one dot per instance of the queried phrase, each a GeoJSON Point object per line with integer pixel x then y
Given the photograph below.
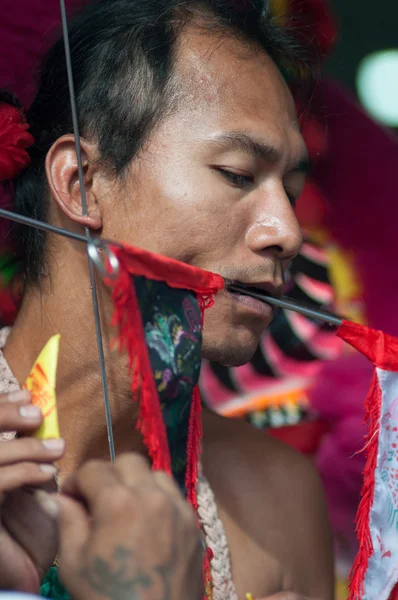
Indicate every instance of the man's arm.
{"type": "Point", "coordinates": [272, 503]}
{"type": "Point", "coordinates": [311, 570]}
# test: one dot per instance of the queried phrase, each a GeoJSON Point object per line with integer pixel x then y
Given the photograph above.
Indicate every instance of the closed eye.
{"type": "Point", "coordinates": [236, 179]}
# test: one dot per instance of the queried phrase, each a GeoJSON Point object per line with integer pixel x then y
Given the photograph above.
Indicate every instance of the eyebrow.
{"type": "Point", "coordinates": [237, 140]}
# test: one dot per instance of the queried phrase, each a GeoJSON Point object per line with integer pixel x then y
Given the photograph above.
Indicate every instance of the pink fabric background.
{"type": "Point", "coordinates": [27, 28]}
{"type": "Point", "coordinates": [359, 177]}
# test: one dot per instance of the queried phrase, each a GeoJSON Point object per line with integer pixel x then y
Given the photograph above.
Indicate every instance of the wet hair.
{"type": "Point", "coordinates": [123, 54]}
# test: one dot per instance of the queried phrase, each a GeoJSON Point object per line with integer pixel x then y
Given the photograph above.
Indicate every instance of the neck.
{"type": "Point", "coordinates": [54, 309]}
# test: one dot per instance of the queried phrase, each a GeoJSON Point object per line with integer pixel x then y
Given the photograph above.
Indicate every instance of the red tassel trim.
{"type": "Point", "coordinates": [131, 338]}
{"type": "Point", "coordinates": [205, 301]}
{"type": "Point", "coordinates": [194, 447]}
{"type": "Point", "coordinates": [176, 274]}
{"type": "Point", "coordinates": [380, 348]}
{"type": "Point", "coordinates": [394, 593]}
{"type": "Point", "coordinates": [372, 416]}
{"type": "Point", "coordinates": [194, 450]}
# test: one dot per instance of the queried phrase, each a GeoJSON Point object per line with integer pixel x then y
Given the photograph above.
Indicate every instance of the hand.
{"type": "Point", "coordinates": [126, 532]}
{"type": "Point", "coordinates": [28, 538]}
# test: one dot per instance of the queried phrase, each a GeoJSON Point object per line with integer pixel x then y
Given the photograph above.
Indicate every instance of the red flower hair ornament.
{"type": "Point", "coordinates": [14, 141]}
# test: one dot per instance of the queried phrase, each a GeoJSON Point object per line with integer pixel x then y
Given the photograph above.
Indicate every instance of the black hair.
{"type": "Point", "coordinates": [122, 55]}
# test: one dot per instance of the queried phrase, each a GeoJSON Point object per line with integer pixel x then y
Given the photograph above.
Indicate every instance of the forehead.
{"type": "Point", "coordinates": [235, 85]}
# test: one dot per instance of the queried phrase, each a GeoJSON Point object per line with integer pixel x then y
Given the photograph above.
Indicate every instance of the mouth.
{"type": "Point", "coordinates": [256, 306]}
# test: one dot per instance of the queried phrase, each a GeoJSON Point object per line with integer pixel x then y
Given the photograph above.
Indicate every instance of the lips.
{"type": "Point", "coordinates": [269, 288]}
{"type": "Point", "coordinates": [253, 306]}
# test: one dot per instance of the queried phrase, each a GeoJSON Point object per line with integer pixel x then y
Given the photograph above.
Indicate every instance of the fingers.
{"type": "Point", "coordinates": [168, 485]}
{"type": "Point", "coordinates": [97, 480]}
{"type": "Point", "coordinates": [134, 470]}
{"type": "Point", "coordinates": [73, 523]}
{"type": "Point", "coordinates": [21, 396]}
{"type": "Point", "coordinates": [32, 450]}
{"type": "Point", "coordinates": [127, 486]}
{"type": "Point", "coordinates": [17, 414]}
{"type": "Point", "coordinates": [104, 487]}
{"type": "Point", "coordinates": [153, 488]}
{"type": "Point", "coordinates": [25, 461]}
{"type": "Point", "coordinates": [26, 473]}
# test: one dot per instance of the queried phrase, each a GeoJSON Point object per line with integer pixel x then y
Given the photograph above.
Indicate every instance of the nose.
{"type": "Point", "coordinates": [274, 227]}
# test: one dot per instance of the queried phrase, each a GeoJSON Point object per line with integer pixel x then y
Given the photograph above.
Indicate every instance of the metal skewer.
{"type": "Point", "coordinates": [97, 241]}
{"type": "Point", "coordinates": [285, 302]}
{"type": "Point", "coordinates": [313, 313]}
{"type": "Point", "coordinates": [12, 216]}
{"type": "Point", "coordinates": [94, 296]}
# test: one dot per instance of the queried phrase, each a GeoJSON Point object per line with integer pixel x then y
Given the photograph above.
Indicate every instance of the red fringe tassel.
{"type": "Point", "coordinates": [194, 447]}
{"type": "Point", "coordinates": [372, 417]}
{"type": "Point", "coordinates": [131, 338]}
{"type": "Point", "coordinates": [394, 593]}
{"type": "Point", "coordinates": [205, 302]}
{"type": "Point", "coordinates": [194, 450]}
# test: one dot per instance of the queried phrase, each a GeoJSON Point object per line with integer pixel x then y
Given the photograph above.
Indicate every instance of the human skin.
{"type": "Point", "coordinates": [201, 192]}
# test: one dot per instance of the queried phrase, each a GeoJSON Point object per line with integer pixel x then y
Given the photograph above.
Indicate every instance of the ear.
{"type": "Point", "coordinates": [63, 179]}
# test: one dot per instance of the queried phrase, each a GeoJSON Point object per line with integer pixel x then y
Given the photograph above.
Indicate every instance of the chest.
{"type": "Point", "coordinates": [254, 568]}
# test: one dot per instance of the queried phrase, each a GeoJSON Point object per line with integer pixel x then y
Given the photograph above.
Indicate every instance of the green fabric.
{"type": "Point", "coordinates": [173, 332]}
{"type": "Point", "coordinates": [51, 586]}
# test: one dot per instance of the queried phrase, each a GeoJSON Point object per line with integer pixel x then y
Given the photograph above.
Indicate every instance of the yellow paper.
{"type": "Point", "coordinates": [41, 384]}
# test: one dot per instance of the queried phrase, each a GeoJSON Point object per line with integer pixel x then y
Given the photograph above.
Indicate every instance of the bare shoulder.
{"type": "Point", "coordinates": [256, 459]}
{"type": "Point", "coordinates": [276, 496]}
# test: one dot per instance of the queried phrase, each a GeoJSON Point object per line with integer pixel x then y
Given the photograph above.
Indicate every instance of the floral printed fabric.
{"type": "Point", "coordinates": [173, 332]}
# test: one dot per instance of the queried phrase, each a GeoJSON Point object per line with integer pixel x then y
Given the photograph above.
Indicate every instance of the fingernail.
{"type": "Point", "coordinates": [56, 444]}
{"type": "Point", "coordinates": [30, 412]}
{"type": "Point", "coordinates": [46, 468]}
{"type": "Point", "coordinates": [19, 396]}
{"type": "Point", "coordinates": [47, 503]}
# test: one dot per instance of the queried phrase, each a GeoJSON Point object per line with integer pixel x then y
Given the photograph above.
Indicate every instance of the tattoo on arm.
{"type": "Point", "coordinates": [115, 579]}
{"type": "Point", "coordinates": [113, 582]}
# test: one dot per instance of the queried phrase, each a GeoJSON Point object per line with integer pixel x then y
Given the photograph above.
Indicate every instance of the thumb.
{"type": "Point", "coordinates": [73, 524]}
{"type": "Point", "coordinates": [72, 520]}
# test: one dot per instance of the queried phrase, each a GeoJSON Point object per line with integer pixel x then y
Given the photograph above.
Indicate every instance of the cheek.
{"type": "Point", "coordinates": [181, 212]}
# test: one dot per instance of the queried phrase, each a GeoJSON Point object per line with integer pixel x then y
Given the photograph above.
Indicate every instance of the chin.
{"type": "Point", "coordinates": [235, 353]}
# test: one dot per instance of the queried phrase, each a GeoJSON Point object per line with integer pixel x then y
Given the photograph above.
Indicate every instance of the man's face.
{"type": "Point", "coordinates": [214, 185]}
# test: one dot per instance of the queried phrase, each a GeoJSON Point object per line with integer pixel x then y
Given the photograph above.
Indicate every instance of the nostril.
{"type": "Point", "coordinates": [276, 248]}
